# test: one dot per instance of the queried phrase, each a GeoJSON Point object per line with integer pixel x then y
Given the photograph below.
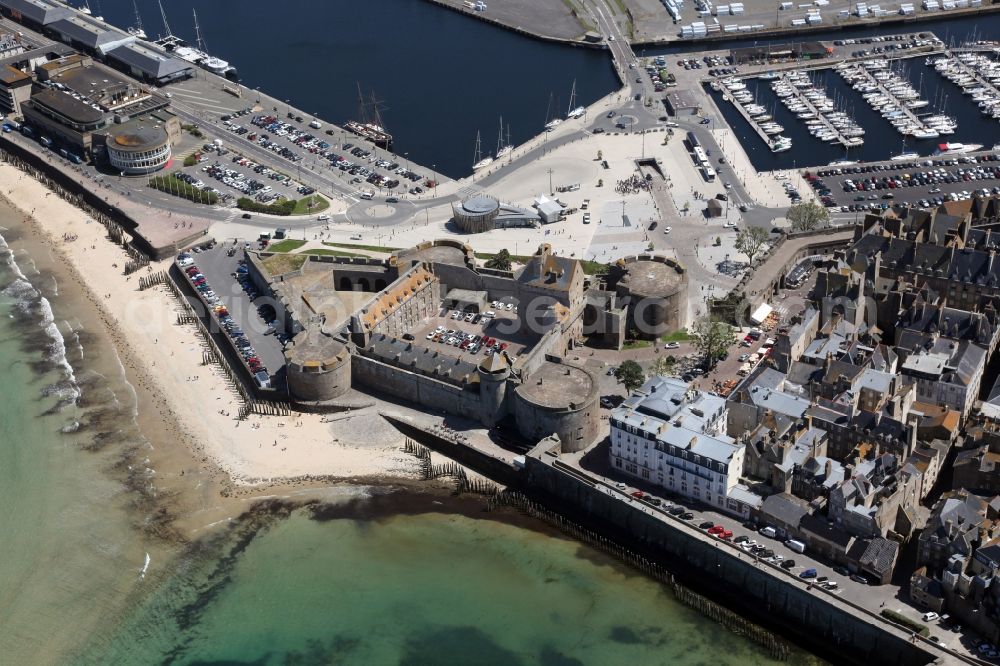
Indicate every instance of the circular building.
{"type": "Point", "coordinates": [560, 399]}
{"type": "Point", "coordinates": [318, 367]}
{"type": "Point", "coordinates": [481, 212]}
{"type": "Point", "coordinates": [476, 214]}
{"type": "Point", "coordinates": [656, 289]}
{"type": "Point", "coordinates": [138, 149]}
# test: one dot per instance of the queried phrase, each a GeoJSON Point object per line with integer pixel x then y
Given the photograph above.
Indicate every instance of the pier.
{"type": "Point", "coordinates": [860, 72]}
{"type": "Point", "coordinates": [802, 98]}
{"type": "Point", "coordinates": [728, 96]}
{"type": "Point", "coordinates": [958, 67]}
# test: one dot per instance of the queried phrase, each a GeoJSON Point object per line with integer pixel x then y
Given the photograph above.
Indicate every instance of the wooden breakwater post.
{"type": "Point", "coordinates": [151, 280]}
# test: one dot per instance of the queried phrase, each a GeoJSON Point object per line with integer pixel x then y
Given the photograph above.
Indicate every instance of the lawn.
{"type": "Point", "coordinates": [279, 264]}
{"type": "Point", "coordinates": [286, 245]}
{"type": "Point", "coordinates": [516, 258]}
{"type": "Point", "coordinates": [594, 267]}
{"type": "Point", "coordinates": [369, 248]}
{"type": "Point", "coordinates": [334, 253]}
{"type": "Point", "coordinates": [319, 204]}
{"type": "Point", "coordinates": [680, 335]}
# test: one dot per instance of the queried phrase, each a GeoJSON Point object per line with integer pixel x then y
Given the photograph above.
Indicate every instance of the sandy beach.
{"type": "Point", "coordinates": [184, 402]}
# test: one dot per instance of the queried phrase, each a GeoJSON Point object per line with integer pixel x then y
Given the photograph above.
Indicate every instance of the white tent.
{"type": "Point", "coordinates": [760, 314]}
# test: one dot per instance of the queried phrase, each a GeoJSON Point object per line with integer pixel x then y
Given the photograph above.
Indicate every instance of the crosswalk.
{"type": "Point", "coordinates": [468, 191]}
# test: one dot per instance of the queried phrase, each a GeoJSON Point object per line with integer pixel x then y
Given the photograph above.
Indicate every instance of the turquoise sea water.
{"type": "Point", "coordinates": [414, 590]}
{"type": "Point", "coordinates": [411, 583]}
{"type": "Point", "coordinates": [69, 551]}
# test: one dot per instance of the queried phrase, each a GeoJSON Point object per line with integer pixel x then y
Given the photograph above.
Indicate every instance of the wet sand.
{"type": "Point", "coordinates": [208, 465]}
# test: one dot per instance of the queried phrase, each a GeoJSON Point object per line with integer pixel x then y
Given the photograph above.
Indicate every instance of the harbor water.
{"type": "Point", "coordinates": [440, 77]}
{"type": "Point", "coordinates": [881, 139]}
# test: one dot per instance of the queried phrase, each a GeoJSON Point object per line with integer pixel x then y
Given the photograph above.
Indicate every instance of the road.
{"type": "Point", "coordinates": [872, 597]}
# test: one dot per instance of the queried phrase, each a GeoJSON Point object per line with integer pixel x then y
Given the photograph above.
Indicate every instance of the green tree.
{"type": "Point", "coordinates": [499, 261]}
{"type": "Point", "coordinates": [630, 374]}
{"type": "Point", "coordinates": [711, 338]}
{"type": "Point", "coordinates": [750, 241]}
{"type": "Point", "coordinates": [665, 365]}
{"type": "Point", "coordinates": [807, 216]}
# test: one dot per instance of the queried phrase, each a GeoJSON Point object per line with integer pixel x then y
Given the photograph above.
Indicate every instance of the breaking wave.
{"type": "Point", "coordinates": [30, 307]}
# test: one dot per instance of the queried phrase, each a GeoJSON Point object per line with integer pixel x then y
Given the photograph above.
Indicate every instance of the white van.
{"type": "Point", "coordinates": [769, 532]}
{"type": "Point", "coordinates": [797, 546]}
{"type": "Point", "coordinates": [367, 195]}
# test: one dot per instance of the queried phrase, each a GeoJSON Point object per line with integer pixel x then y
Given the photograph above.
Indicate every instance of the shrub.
{"type": "Point", "coordinates": [179, 188]}
{"type": "Point", "coordinates": [899, 618]}
{"type": "Point", "coordinates": [283, 207]}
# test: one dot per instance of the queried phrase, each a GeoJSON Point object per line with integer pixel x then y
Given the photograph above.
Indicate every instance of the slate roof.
{"type": "Point", "coordinates": [550, 271]}
{"type": "Point", "coordinates": [149, 60]}
{"type": "Point", "coordinates": [420, 359]}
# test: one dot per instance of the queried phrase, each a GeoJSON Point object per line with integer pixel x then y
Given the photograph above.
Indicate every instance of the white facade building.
{"type": "Point", "coordinates": [672, 435]}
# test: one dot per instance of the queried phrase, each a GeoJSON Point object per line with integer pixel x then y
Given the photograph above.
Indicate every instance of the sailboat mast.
{"type": "Point", "coordinates": [197, 33]}
{"type": "Point", "coordinates": [572, 97]}
{"type": "Point", "coordinates": [163, 15]}
{"type": "Point", "coordinates": [138, 19]}
{"type": "Point", "coordinates": [477, 156]}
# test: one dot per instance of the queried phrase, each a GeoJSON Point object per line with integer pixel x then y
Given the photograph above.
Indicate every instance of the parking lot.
{"type": "Point", "coordinates": [923, 182]}
{"type": "Point", "coordinates": [292, 139]}
{"type": "Point", "coordinates": [471, 335]}
{"type": "Point", "coordinates": [243, 305]}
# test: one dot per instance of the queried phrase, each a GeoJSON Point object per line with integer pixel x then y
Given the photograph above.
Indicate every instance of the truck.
{"type": "Point", "coordinates": [795, 545]}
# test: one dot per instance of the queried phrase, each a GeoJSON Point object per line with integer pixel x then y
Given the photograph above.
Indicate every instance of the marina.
{"type": "Point", "coordinates": [811, 103]}
{"type": "Point", "coordinates": [976, 73]}
{"type": "Point", "coordinates": [756, 115]}
{"type": "Point", "coordinates": [894, 98]}
{"type": "Point", "coordinates": [920, 91]}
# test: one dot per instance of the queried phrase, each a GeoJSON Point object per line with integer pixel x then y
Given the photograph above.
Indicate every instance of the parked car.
{"type": "Point", "coordinates": [808, 573]}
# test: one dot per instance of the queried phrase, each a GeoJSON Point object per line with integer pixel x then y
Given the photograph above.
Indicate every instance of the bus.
{"type": "Point", "coordinates": [708, 173]}
{"type": "Point", "coordinates": [700, 157]}
{"type": "Point", "coordinates": [693, 141]}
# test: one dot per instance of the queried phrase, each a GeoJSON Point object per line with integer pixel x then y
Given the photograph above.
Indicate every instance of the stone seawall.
{"type": "Point", "coordinates": [92, 202]}
{"type": "Point", "coordinates": [830, 625]}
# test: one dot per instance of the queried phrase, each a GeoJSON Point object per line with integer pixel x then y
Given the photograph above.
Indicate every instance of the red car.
{"type": "Point", "coordinates": [727, 534]}
{"type": "Point", "coordinates": [638, 494]}
{"type": "Point", "coordinates": [716, 529]}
